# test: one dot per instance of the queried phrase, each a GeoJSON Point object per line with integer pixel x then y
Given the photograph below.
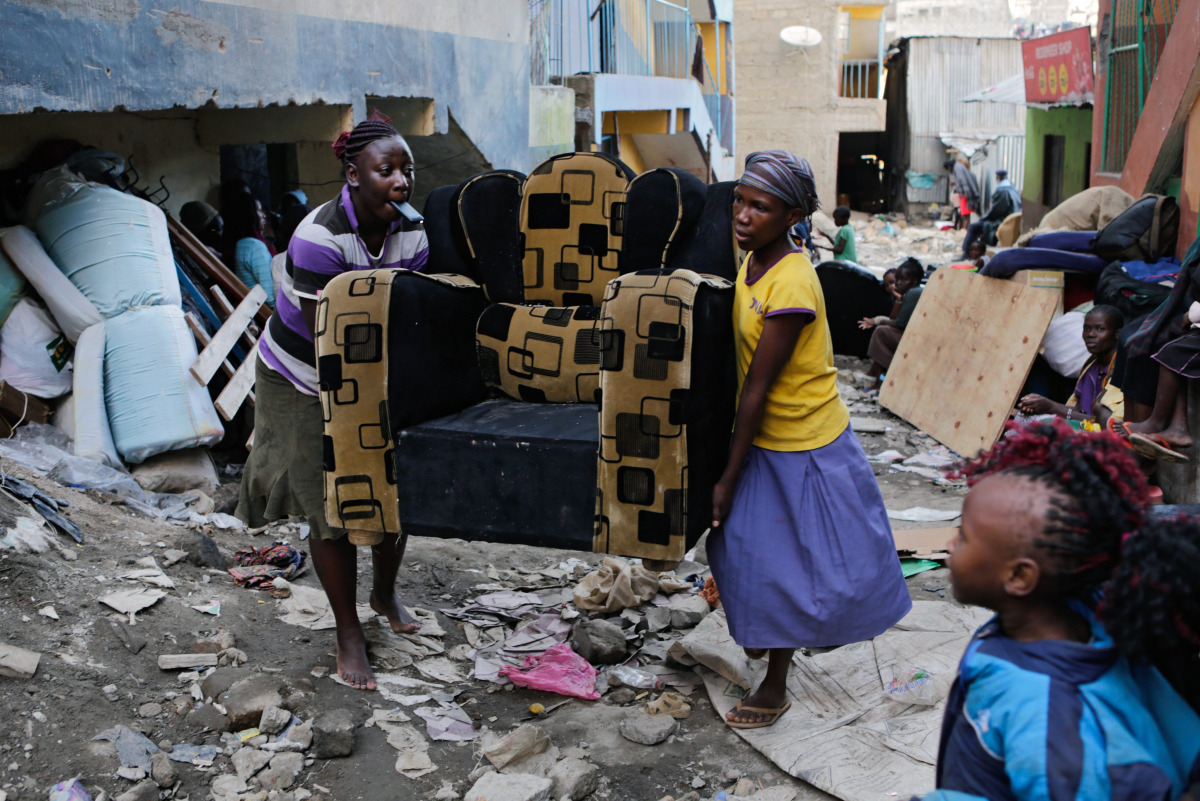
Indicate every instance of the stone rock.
{"type": "Point", "coordinates": [202, 551]}
{"type": "Point", "coordinates": [509, 787]}
{"type": "Point", "coordinates": [207, 717]}
{"type": "Point", "coordinates": [248, 761]}
{"type": "Point", "coordinates": [687, 611]}
{"type": "Point", "coordinates": [150, 710]}
{"type": "Point", "coordinates": [301, 735]}
{"type": "Point", "coordinates": [744, 787]}
{"type": "Point", "coordinates": [274, 720]}
{"type": "Point", "coordinates": [246, 699]}
{"type": "Point", "coordinates": [282, 772]}
{"type": "Point", "coordinates": [142, 791]}
{"type": "Point", "coordinates": [447, 793]}
{"type": "Point", "coordinates": [213, 644]}
{"type": "Point", "coordinates": [620, 696]}
{"type": "Point", "coordinates": [658, 618]}
{"type": "Point", "coordinates": [162, 771]}
{"type": "Point", "coordinates": [574, 778]}
{"type": "Point", "coordinates": [228, 785]}
{"type": "Point", "coordinates": [599, 642]}
{"type": "Point", "coordinates": [221, 680]}
{"type": "Point", "coordinates": [333, 734]}
{"type": "Point", "coordinates": [646, 729]}
{"type": "Point", "coordinates": [698, 782]}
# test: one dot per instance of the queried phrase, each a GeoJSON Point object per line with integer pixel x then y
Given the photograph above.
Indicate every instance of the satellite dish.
{"type": "Point", "coordinates": [801, 36]}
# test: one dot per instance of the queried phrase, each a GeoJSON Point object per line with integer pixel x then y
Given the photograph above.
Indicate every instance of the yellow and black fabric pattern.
{"type": "Point", "coordinates": [667, 394]}
{"type": "Point", "coordinates": [394, 348]}
{"type": "Point", "coordinates": [572, 221]}
{"type": "Point", "coordinates": [547, 354]}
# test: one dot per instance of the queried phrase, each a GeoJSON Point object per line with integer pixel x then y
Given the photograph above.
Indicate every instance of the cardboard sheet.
{"type": "Point", "coordinates": [860, 727]}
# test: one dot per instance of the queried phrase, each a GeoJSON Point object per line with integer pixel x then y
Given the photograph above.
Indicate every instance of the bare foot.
{"type": "Point", "coordinates": [761, 699]}
{"type": "Point", "coordinates": [755, 653]}
{"type": "Point", "coordinates": [391, 608]}
{"type": "Point", "coordinates": [1144, 427]}
{"type": "Point", "coordinates": [1177, 438]}
{"type": "Point", "coordinates": [352, 663]}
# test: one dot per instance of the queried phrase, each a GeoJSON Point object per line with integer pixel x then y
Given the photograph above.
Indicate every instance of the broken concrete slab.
{"type": "Point", "coordinates": [688, 610]}
{"type": "Point", "coordinates": [274, 720]}
{"type": "Point", "coordinates": [574, 778]}
{"type": "Point", "coordinates": [599, 642]}
{"type": "Point", "coordinates": [249, 761]}
{"type": "Point", "coordinates": [333, 734]}
{"type": "Point", "coordinates": [646, 729]}
{"type": "Point", "coordinates": [186, 661]}
{"type": "Point", "coordinates": [246, 699]}
{"type": "Point", "coordinates": [162, 771]}
{"type": "Point", "coordinates": [221, 680]}
{"type": "Point", "coordinates": [281, 773]}
{"type": "Point", "coordinates": [208, 717]}
{"type": "Point", "coordinates": [509, 787]}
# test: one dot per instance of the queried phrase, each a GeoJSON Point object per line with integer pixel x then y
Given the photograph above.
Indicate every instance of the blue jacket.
{"type": "Point", "coordinates": [1063, 721]}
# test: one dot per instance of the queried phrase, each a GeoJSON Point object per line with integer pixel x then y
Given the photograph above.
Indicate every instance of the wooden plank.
{"type": "Point", "coordinates": [965, 356]}
{"type": "Point", "coordinates": [250, 442]}
{"type": "Point", "coordinates": [210, 264]}
{"type": "Point", "coordinates": [202, 339]}
{"type": "Point", "coordinates": [235, 392]}
{"type": "Point", "coordinates": [186, 661]}
{"type": "Point", "coordinates": [206, 366]}
{"type": "Point", "coordinates": [225, 309]}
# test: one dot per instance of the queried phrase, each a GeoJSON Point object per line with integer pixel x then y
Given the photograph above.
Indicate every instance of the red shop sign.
{"type": "Point", "coordinates": [1058, 66]}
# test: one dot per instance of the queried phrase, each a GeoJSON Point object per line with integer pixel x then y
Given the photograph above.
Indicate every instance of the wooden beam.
{"type": "Point", "coordinates": [206, 261]}
{"type": "Point", "coordinates": [206, 366]}
{"type": "Point", "coordinates": [202, 339]}
{"type": "Point", "coordinates": [235, 392]}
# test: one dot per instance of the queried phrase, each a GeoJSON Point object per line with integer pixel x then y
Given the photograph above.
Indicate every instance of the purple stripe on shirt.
{"type": "Point", "coordinates": [314, 257]}
{"type": "Point", "coordinates": [791, 310]}
{"type": "Point", "coordinates": [264, 353]}
{"type": "Point", "coordinates": [292, 317]}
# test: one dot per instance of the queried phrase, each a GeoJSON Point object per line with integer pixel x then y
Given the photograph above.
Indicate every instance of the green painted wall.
{"type": "Point", "coordinates": [1075, 125]}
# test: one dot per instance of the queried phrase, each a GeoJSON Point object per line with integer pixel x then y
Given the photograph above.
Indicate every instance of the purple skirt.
{"type": "Point", "coordinates": [806, 558]}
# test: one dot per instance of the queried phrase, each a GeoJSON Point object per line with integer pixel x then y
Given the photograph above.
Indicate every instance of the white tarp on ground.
{"type": "Point", "coordinates": [853, 729]}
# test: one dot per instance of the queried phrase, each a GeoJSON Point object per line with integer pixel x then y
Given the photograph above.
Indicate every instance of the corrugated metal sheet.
{"type": "Point", "coordinates": [943, 70]}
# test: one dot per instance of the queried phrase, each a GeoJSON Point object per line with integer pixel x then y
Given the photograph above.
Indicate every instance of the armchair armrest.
{"type": "Point", "coordinates": [394, 348]}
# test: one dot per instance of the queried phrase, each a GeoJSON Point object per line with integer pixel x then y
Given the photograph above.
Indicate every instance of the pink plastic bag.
{"type": "Point", "coordinates": [558, 670]}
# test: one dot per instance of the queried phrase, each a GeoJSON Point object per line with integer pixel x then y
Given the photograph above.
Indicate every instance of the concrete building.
{"type": "Point", "coordinates": [822, 100]}
{"type": "Point", "coordinates": [207, 90]}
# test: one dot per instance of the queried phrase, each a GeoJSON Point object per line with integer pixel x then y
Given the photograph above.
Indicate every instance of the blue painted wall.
{"type": "Point", "coordinates": [96, 55]}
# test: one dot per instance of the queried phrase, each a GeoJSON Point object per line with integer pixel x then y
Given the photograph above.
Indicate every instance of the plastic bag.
{"type": "Point", "coordinates": [909, 684]}
{"type": "Point", "coordinates": [1063, 347]}
{"type": "Point", "coordinates": [557, 670]}
{"type": "Point", "coordinates": [114, 247]}
{"type": "Point", "coordinates": [72, 311]}
{"type": "Point", "coordinates": [615, 586]}
{"type": "Point", "coordinates": [35, 357]}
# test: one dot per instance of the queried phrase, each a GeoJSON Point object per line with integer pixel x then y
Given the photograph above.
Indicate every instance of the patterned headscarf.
{"type": "Point", "coordinates": [783, 175]}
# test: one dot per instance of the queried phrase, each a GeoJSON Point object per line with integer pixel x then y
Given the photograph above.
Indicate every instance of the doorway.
{"type": "Point", "coordinates": [862, 171]}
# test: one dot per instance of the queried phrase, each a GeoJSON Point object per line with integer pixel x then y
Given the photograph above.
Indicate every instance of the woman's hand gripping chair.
{"type": "Point", "coordinates": [492, 398]}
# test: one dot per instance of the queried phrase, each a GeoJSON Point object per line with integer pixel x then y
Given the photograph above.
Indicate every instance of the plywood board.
{"type": "Point", "coordinates": [965, 356]}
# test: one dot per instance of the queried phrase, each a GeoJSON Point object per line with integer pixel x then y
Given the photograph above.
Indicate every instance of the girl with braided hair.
{"type": "Point", "coordinates": [801, 548]}
{"type": "Point", "coordinates": [1058, 696]}
{"type": "Point", "coordinates": [359, 230]}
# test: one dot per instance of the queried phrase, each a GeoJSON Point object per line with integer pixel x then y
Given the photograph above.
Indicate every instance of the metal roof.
{"type": "Point", "coordinates": [1012, 90]}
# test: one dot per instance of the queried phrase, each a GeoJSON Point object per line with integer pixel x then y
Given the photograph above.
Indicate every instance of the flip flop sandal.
{"type": "Point", "coordinates": [670, 703]}
{"type": "Point", "coordinates": [772, 715]}
{"type": "Point", "coordinates": [1117, 427]}
{"type": "Point", "coordinates": [1155, 447]}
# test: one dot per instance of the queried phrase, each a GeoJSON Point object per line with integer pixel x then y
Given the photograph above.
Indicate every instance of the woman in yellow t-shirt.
{"type": "Point", "coordinates": [801, 547]}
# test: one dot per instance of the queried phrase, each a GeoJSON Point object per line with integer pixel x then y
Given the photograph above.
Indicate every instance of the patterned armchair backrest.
{"type": "Point", "coordinates": [572, 221]}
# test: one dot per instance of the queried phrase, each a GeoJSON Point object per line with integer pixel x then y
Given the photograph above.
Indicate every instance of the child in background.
{"type": "Point", "coordinates": [844, 248]}
{"type": "Point", "coordinates": [1095, 399]}
{"type": "Point", "coordinates": [978, 254]}
{"type": "Point", "coordinates": [1058, 697]}
{"type": "Point", "coordinates": [801, 547]}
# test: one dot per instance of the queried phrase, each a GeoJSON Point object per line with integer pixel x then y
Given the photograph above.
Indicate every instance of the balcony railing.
{"type": "Point", "coordinates": [623, 37]}
{"type": "Point", "coordinates": [860, 77]}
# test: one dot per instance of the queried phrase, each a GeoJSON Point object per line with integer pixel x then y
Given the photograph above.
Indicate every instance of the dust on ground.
{"type": "Point", "coordinates": [50, 720]}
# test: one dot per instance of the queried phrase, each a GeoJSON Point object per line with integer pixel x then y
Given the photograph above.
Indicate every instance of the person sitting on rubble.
{"type": "Point", "coordinates": [889, 283]}
{"type": "Point", "coordinates": [800, 548]}
{"type": "Point", "coordinates": [361, 229]}
{"type": "Point", "coordinates": [1006, 200]}
{"type": "Point", "coordinates": [977, 255]}
{"type": "Point", "coordinates": [843, 244]}
{"type": "Point", "coordinates": [888, 330]}
{"type": "Point", "coordinates": [965, 189]}
{"type": "Point", "coordinates": [245, 251]}
{"type": "Point", "coordinates": [1095, 400]}
{"type": "Point", "coordinates": [205, 222]}
{"type": "Point", "coordinates": [1086, 683]}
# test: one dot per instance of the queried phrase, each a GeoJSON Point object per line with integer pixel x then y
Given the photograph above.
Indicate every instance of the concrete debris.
{"type": "Point", "coordinates": [333, 734]}
{"type": "Point", "coordinates": [228, 786]}
{"type": "Point", "coordinates": [246, 699]}
{"type": "Point", "coordinates": [48, 611]}
{"type": "Point", "coordinates": [687, 611]}
{"type": "Point", "coordinates": [208, 717]}
{"type": "Point", "coordinates": [646, 729]}
{"type": "Point", "coordinates": [281, 773]}
{"type": "Point", "coordinates": [162, 771]}
{"type": "Point", "coordinates": [150, 710]}
{"type": "Point", "coordinates": [274, 720]}
{"type": "Point", "coordinates": [203, 552]}
{"type": "Point", "coordinates": [509, 787]}
{"type": "Point", "coordinates": [302, 735]}
{"type": "Point", "coordinates": [599, 642]}
{"type": "Point", "coordinates": [186, 661]}
{"type": "Point", "coordinates": [249, 761]}
{"type": "Point", "coordinates": [574, 778]}
{"type": "Point", "coordinates": [145, 790]}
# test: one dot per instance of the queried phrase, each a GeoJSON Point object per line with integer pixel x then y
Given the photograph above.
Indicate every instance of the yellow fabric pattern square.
{"type": "Point", "coordinates": [547, 354]}
{"type": "Point", "coordinates": [803, 409]}
{"type": "Point", "coordinates": [572, 215]}
{"type": "Point", "coordinates": [646, 330]}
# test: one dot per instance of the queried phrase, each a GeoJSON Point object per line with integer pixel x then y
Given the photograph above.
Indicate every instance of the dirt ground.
{"type": "Point", "coordinates": [49, 721]}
